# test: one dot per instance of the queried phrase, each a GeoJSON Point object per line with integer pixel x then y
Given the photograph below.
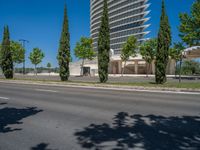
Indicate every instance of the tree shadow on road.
{"type": "Point", "coordinates": [41, 146]}
{"type": "Point", "coordinates": [12, 116]}
{"type": "Point", "coordinates": [3, 103]}
{"type": "Point", "coordinates": [149, 132]}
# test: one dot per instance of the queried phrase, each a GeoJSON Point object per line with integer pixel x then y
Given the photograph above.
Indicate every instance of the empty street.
{"type": "Point", "coordinates": [36, 117]}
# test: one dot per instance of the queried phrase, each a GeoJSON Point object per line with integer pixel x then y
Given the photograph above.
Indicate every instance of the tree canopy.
{"type": "Point", "coordinates": [6, 55]}
{"type": "Point", "coordinates": [64, 57]}
{"type": "Point", "coordinates": [190, 25]}
{"type": "Point", "coordinates": [18, 52]}
{"type": "Point", "coordinates": [129, 48]}
{"type": "Point", "coordinates": [148, 50]}
{"type": "Point", "coordinates": [36, 56]}
{"type": "Point", "coordinates": [164, 42]}
{"type": "Point", "coordinates": [104, 45]}
{"type": "Point", "coordinates": [84, 49]}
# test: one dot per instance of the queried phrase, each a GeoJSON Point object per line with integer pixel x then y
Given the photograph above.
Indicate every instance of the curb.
{"type": "Point", "coordinates": [105, 86]}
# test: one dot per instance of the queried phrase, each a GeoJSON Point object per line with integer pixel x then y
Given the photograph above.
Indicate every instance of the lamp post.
{"type": "Point", "coordinates": [23, 41]}
{"type": "Point", "coordinates": [183, 55]}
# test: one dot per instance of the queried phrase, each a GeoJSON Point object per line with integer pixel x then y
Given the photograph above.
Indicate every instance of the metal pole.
{"type": "Point", "coordinates": [181, 59]}
{"type": "Point", "coordinates": [24, 62]}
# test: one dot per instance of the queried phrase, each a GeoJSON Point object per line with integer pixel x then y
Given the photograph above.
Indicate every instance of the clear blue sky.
{"type": "Point", "coordinates": [40, 21]}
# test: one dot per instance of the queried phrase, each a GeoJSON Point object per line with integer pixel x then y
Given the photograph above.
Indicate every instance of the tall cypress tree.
{"type": "Point", "coordinates": [164, 42]}
{"type": "Point", "coordinates": [6, 55]}
{"type": "Point", "coordinates": [64, 49]}
{"type": "Point", "coordinates": [104, 45]}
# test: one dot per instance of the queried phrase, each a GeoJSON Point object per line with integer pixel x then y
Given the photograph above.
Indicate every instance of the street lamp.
{"type": "Point", "coordinates": [23, 41]}
{"type": "Point", "coordinates": [183, 55]}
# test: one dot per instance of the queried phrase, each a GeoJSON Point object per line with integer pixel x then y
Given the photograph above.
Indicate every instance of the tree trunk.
{"type": "Point", "coordinates": [147, 69]}
{"type": "Point", "coordinates": [36, 70]}
{"type": "Point", "coordinates": [82, 67]}
{"type": "Point", "coordinates": [123, 68]}
{"type": "Point", "coordinates": [176, 68]}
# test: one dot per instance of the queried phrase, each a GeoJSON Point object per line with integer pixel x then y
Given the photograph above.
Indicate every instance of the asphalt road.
{"type": "Point", "coordinates": [34, 117]}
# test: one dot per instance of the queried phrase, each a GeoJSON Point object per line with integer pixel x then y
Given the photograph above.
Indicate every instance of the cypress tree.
{"type": "Point", "coordinates": [64, 49]}
{"type": "Point", "coordinates": [104, 45]}
{"type": "Point", "coordinates": [164, 42]}
{"type": "Point", "coordinates": [6, 55]}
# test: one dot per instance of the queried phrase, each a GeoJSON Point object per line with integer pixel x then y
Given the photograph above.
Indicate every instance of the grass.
{"type": "Point", "coordinates": [185, 85]}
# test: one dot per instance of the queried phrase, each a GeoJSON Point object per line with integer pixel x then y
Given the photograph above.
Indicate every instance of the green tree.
{"type": "Point", "coordinates": [176, 52]}
{"type": "Point", "coordinates": [49, 67]}
{"type": "Point", "coordinates": [190, 67]}
{"type": "Point", "coordinates": [6, 55]}
{"type": "Point", "coordinates": [164, 42]}
{"type": "Point", "coordinates": [148, 52]}
{"type": "Point", "coordinates": [84, 50]}
{"type": "Point", "coordinates": [18, 53]}
{"type": "Point", "coordinates": [104, 45]}
{"type": "Point", "coordinates": [128, 50]}
{"type": "Point", "coordinates": [64, 49]}
{"type": "Point", "coordinates": [190, 25]}
{"type": "Point", "coordinates": [36, 57]}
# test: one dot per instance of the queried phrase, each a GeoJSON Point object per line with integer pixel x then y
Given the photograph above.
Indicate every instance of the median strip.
{"type": "Point", "coordinates": [44, 90]}
{"type": "Point", "coordinates": [4, 98]}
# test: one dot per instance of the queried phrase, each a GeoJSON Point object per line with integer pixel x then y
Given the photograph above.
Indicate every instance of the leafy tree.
{"type": "Point", "coordinates": [64, 49]}
{"type": "Point", "coordinates": [6, 55]}
{"type": "Point", "coordinates": [164, 42]}
{"type": "Point", "coordinates": [18, 53]}
{"type": "Point", "coordinates": [176, 52]}
{"type": "Point", "coordinates": [36, 57]}
{"type": "Point", "coordinates": [148, 52]}
{"type": "Point", "coordinates": [190, 25]}
{"type": "Point", "coordinates": [49, 67]}
{"type": "Point", "coordinates": [128, 50]}
{"type": "Point", "coordinates": [190, 67]}
{"type": "Point", "coordinates": [104, 45]}
{"type": "Point", "coordinates": [84, 50]}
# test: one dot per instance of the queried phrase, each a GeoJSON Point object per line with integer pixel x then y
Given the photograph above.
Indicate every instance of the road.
{"type": "Point", "coordinates": [35, 117]}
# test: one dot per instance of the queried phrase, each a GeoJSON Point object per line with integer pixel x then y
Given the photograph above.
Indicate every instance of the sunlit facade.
{"type": "Point", "coordinates": [126, 18]}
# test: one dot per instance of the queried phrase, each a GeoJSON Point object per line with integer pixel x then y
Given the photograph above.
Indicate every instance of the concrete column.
{"type": "Point", "coordinates": [136, 67]}
{"type": "Point", "coordinates": [172, 66]}
{"type": "Point", "coordinates": [153, 67]}
{"type": "Point", "coordinates": [119, 67]}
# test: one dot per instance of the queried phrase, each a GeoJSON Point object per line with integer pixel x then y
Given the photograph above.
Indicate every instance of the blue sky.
{"type": "Point", "coordinates": [40, 22]}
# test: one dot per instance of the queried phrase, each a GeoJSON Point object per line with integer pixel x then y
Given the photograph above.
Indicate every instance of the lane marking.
{"type": "Point", "coordinates": [139, 90]}
{"type": "Point", "coordinates": [108, 88]}
{"type": "Point", "coordinates": [44, 90]}
{"type": "Point", "coordinates": [4, 98]}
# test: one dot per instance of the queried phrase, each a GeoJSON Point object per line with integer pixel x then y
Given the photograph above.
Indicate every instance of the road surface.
{"type": "Point", "coordinates": [35, 117]}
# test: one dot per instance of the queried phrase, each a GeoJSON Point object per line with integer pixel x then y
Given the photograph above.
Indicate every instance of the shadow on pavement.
{"type": "Point", "coordinates": [3, 103]}
{"type": "Point", "coordinates": [11, 116]}
{"type": "Point", "coordinates": [149, 132]}
{"type": "Point", "coordinates": [41, 146]}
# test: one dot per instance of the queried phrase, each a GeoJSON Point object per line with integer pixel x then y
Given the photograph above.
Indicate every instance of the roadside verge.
{"type": "Point", "coordinates": [108, 86]}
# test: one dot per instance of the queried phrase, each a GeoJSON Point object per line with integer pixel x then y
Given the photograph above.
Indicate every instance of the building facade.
{"type": "Point", "coordinates": [126, 18]}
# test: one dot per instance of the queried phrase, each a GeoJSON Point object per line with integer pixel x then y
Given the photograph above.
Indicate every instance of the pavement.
{"type": "Point", "coordinates": [112, 78]}
{"type": "Point", "coordinates": [41, 117]}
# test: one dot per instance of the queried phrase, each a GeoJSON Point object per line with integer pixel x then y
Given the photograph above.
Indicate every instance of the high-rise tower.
{"type": "Point", "coordinates": [126, 18]}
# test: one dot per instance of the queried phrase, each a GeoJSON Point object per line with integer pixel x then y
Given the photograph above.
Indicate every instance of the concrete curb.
{"type": "Point", "coordinates": [105, 86]}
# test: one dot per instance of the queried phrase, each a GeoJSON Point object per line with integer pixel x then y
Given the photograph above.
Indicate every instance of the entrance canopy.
{"type": "Point", "coordinates": [192, 52]}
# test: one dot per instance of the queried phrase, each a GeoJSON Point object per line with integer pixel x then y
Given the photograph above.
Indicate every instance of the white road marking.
{"type": "Point", "coordinates": [139, 90]}
{"type": "Point", "coordinates": [109, 88]}
{"type": "Point", "coordinates": [4, 98]}
{"type": "Point", "coordinates": [44, 90]}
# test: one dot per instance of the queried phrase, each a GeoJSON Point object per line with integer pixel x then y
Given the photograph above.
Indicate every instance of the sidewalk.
{"type": "Point", "coordinates": [108, 86]}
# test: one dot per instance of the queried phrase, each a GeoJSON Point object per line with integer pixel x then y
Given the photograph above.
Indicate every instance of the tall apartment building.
{"type": "Point", "coordinates": [126, 18]}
